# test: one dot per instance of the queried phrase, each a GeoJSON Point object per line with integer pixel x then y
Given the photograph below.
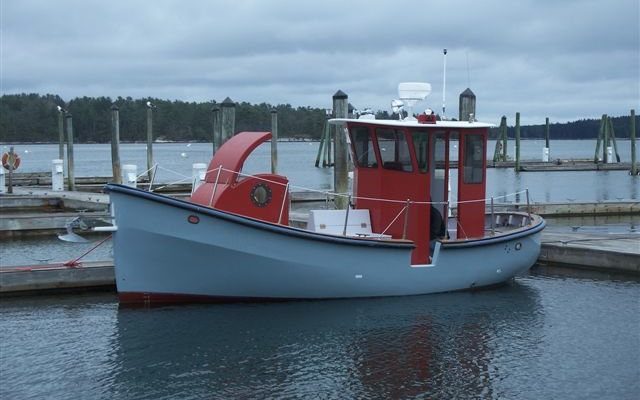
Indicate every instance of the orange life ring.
{"type": "Point", "coordinates": [10, 162]}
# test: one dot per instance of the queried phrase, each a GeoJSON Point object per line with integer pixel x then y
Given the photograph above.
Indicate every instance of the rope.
{"type": "Point", "coordinates": [334, 194]}
{"type": "Point", "coordinates": [75, 263]}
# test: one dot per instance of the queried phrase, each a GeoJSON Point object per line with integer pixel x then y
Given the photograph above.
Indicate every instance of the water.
{"type": "Point", "coordinates": [296, 161]}
{"type": "Point", "coordinates": [543, 336]}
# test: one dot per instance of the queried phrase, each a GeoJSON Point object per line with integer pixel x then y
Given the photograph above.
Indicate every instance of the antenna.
{"type": "Point", "coordinates": [444, 82]}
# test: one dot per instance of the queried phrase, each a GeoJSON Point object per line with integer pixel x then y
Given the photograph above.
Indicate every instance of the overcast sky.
{"type": "Point", "coordinates": [559, 58]}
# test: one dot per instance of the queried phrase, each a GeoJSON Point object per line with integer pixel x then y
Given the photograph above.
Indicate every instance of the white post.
{"type": "Point", "coordinates": [57, 175]}
{"type": "Point", "coordinates": [130, 175]}
{"type": "Point", "coordinates": [609, 154]}
{"type": "Point", "coordinates": [197, 177]}
{"type": "Point", "coordinates": [3, 188]}
{"type": "Point", "coordinates": [545, 154]}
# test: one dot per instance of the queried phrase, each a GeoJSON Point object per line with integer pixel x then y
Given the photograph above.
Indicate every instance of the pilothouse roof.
{"type": "Point", "coordinates": [414, 124]}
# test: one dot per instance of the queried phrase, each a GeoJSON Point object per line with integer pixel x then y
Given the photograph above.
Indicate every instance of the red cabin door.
{"type": "Point", "coordinates": [471, 183]}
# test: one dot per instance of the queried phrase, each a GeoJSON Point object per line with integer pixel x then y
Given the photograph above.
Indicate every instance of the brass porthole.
{"type": "Point", "coordinates": [260, 195]}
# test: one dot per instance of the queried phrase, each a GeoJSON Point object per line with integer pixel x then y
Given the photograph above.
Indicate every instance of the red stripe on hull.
{"type": "Point", "coordinates": [158, 299]}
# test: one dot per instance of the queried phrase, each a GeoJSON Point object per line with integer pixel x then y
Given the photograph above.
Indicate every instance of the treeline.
{"type": "Point", "coordinates": [34, 118]}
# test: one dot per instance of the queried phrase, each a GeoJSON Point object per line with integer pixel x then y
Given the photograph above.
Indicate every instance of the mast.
{"type": "Point", "coordinates": [444, 82]}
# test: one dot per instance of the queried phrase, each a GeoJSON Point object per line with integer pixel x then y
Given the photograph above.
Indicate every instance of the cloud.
{"type": "Point", "coordinates": [565, 60]}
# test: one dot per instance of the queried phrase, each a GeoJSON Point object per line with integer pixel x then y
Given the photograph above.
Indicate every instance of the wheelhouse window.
{"type": "Point", "coordinates": [421, 148]}
{"type": "Point", "coordinates": [363, 147]}
{"type": "Point", "coordinates": [473, 158]}
{"type": "Point", "coordinates": [394, 150]}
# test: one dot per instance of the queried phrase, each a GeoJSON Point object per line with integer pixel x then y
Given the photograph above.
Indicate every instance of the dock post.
{"type": "Point", "coordinates": [149, 139]}
{"type": "Point", "coordinates": [340, 171]}
{"type": "Point", "coordinates": [70, 175]}
{"type": "Point", "coordinates": [215, 111]}
{"type": "Point", "coordinates": [503, 124]}
{"type": "Point", "coordinates": [61, 133]}
{"type": "Point", "coordinates": [612, 138]}
{"type": "Point", "coordinates": [11, 162]}
{"type": "Point", "coordinates": [605, 141]}
{"type": "Point", "coordinates": [545, 151]}
{"type": "Point", "coordinates": [321, 145]}
{"type": "Point", "coordinates": [115, 144]}
{"type": "Point", "coordinates": [600, 136]}
{"type": "Point", "coordinates": [274, 141]}
{"type": "Point", "coordinates": [517, 165]}
{"type": "Point", "coordinates": [632, 136]}
{"type": "Point", "coordinates": [228, 120]}
{"type": "Point", "coordinates": [57, 175]}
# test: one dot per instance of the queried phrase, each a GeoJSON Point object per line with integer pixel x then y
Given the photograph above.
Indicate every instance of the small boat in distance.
{"type": "Point", "coordinates": [232, 240]}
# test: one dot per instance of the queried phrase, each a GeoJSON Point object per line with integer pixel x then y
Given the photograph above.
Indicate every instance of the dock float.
{"type": "Point", "coordinates": [57, 277]}
{"type": "Point", "coordinates": [597, 251]}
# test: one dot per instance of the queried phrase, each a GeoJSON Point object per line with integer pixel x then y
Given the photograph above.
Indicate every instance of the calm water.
{"type": "Point", "coordinates": [296, 161]}
{"type": "Point", "coordinates": [541, 337]}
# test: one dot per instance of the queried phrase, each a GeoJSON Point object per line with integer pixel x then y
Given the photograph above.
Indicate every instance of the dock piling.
{"type": "Point", "coordinates": [274, 141]}
{"type": "Point", "coordinates": [3, 187]}
{"type": "Point", "coordinates": [321, 145]}
{"type": "Point", "coordinates": [228, 122]}
{"type": "Point", "coordinates": [545, 151]}
{"type": "Point", "coordinates": [632, 136]}
{"type": "Point", "coordinates": [115, 144]}
{"type": "Point", "coordinates": [150, 108]}
{"type": "Point", "coordinates": [517, 165]}
{"type": "Point", "coordinates": [61, 133]}
{"type": "Point", "coordinates": [217, 129]}
{"type": "Point", "coordinates": [70, 174]}
{"type": "Point", "coordinates": [340, 174]}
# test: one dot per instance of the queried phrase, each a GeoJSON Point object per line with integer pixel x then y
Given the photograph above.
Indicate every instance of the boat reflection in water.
{"type": "Point", "coordinates": [450, 345]}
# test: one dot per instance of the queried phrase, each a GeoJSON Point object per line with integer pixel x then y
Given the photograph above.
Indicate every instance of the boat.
{"type": "Point", "coordinates": [232, 240]}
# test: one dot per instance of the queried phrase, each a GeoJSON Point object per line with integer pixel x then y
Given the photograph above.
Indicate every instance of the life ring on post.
{"type": "Point", "coordinates": [10, 161]}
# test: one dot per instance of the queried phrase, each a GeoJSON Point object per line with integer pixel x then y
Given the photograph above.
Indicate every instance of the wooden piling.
{"type": "Point", "coordinates": [467, 105]}
{"type": "Point", "coordinates": [605, 140]}
{"type": "Point", "coordinates": [632, 136]}
{"type": "Point", "coordinates": [11, 162]}
{"type": "Point", "coordinates": [61, 134]}
{"type": "Point", "coordinates": [115, 144]}
{"type": "Point", "coordinates": [217, 129]}
{"type": "Point", "coordinates": [603, 120]}
{"type": "Point", "coordinates": [498, 151]}
{"type": "Point", "coordinates": [321, 145]}
{"type": "Point", "coordinates": [505, 138]}
{"type": "Point", "coordinates": [149, 140]}
{"type": "Point", "coordinates": [612, 138]}
{"type": "Point", "coordinates": [228, 122]}
{"type": "Point", "coordinates": [274, 141]}
{"type": "Point", "coordinates": [340, 173]}
{"type": "Point", "coordinates": [546, 132]}
{"type": "Point", "coordinates": [517, 165]}
{"type": "Point", "coordinates": [70, 175]}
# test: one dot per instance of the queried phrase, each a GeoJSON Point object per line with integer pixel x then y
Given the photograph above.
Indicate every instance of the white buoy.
{"type": "Point", "coordinates": [130, 175]}
{"type": "Point", "coordinates": [197, 177]}
{"type": "Point", "coordinates": [545, 154]}
{"type": "Point", "coordinates": [57, 175]}
{"type": "Point", "coordinates": [183, 155]}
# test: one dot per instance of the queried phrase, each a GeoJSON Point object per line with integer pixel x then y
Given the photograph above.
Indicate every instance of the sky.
{"type": "Point", "coordinates": [562, 59]}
